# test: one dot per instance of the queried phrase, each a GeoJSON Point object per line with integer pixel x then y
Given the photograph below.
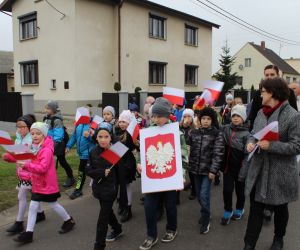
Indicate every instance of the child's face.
{"type": "Point", "coordinates": [237, 120]}
{"type": "Point", "coordinates": [103, 138]}
{"type": "Point", "coordinates": [49, 111]}
{"type": "Point", "coordinates": [187, 120]}
{"type": "Point", "coordinates": [123, 125]}
{"type": "Point", "coordinates": [206, 122]}
{"type": "Point", "coordinates": [107, 116]}
{"type": "Point", "coordinates": [160, 120]}
{"type": "Point", "coordinates": [22, 128]}
{"type": "Point", "coordinates": [37, 136]}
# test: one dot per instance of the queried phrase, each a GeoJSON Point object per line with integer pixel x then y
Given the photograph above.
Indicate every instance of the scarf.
{"type": "Point", "coordinates": [268, 111]}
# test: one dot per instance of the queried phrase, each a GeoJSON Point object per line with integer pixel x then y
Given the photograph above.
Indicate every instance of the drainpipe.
{"type": "Point", "coordinates": [119, 40]}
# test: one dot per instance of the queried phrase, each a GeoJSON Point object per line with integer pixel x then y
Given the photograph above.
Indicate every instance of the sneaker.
{"type": "Point", "coordinates": [204, 229]}
{"type": "Point", "coordinates": [169, 236]}
{"type": "Point", "coordinates": [16, 228]}
{"type": "Point", "coordinates": [113, 235]}
{"type": "Point", "coordinates": [40, 217]}
{"type": "Point", "coordinates": [77, 193]}
{"type": "Point", "coordinates": [277, 244]}
{"type": "Point", "coordinates": [67, 226]}
{"type": "Point", "coordinates": [226, 218]}
{"type": "Point", "coordinates": [238, 214]}
{"type": "Point", "coordinates": [24, 238]}
{"type": "Point", "coordinates": [70, 181]}
{"type": "Point", "coordinates": [148, 243]}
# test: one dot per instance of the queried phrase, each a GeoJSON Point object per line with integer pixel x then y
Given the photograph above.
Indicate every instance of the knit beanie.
{"type": "Point", "coordinates": [133, 107]}
{"type": "Point", "coordinates": [188, 112]}
{"type": "Point", "coordinates": [29, 119]}
{"type": "Point", "coordinates": [125, 116]}
{"type": "Point", "coordinates": [239, 110]}
{"type": "Point", "coordinates": [52, 105]}
{"type": "Point", "coordinates": [41, 126]}
{"type": "Point", "coordinates": [162, 107]}
{"type": "Point", "coordinates": [110, 109]}
{"type": "Point", "coordinates": [207, 111]}
{"type": "Point", "coordinates": [229, 97]}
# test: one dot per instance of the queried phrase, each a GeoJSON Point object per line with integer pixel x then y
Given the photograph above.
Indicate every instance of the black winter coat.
{"type": "Point", "coordinates": [104, 188]}
{"type": "Point", "coordinates": [206, 152]}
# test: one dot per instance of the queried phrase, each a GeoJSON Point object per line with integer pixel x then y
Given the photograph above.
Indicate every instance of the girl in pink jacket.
{"type": "Point", "coordinates": [24, 186]}
{"type": "Point", "coordinates": [44, 181]}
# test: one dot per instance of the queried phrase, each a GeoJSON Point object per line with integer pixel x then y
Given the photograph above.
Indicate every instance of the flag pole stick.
{"type": "Point", "coordinates": [105, 169]}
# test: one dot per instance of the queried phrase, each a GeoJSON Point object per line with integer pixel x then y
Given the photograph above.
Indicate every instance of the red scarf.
{"type": "Point", "coordinates": [268, 111]}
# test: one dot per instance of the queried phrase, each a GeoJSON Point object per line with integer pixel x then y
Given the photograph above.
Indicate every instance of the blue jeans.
{"type": "Point", "coordinates": [203, 187]}
{"type": "Point", "coordinates": [151, 204]}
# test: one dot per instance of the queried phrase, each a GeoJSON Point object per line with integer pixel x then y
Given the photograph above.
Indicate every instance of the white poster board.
{"type": "Point", "coordinates": [161, 158]}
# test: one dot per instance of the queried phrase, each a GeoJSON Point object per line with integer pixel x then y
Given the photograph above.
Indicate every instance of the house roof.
{"type": "Point", "coordinates": [275, 59]}
{"type": "Point", "coordinates": [6, 5]}
{"type": "Point", "coordinates": [6, 62]}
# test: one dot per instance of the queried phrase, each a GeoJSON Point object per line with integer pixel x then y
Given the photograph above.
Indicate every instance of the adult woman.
{"type": "Point", "coordinates": [272, 178]}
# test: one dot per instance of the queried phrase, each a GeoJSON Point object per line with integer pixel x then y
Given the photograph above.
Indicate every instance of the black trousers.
{"type": "Point", "coordinates": [81, 174]}
{"type": "Point", "coordinates": [106, 217]}
{"type": "Point", "coordinates": [231, 183]}
{"type": "Point", "coordinates": [63, 162]}
{"type": "Point", "coordinates": [193, 187]}
{"type": "Point", "coordinates": [256, 216]}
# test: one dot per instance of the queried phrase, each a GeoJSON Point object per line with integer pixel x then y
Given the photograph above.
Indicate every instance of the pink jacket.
{"type": "Point", "coordinates": [44, 178]}
{"type": "Point", "coordinates": [21, 173]}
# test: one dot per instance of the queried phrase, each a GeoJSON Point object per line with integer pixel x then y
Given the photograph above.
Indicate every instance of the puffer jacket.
{"type": "Point", "coordinates": [206, 152]}
{"type": "Point", "coordinates": [57, 131]}
{"type": "Point", "coordinates": [235, 138]}
{"type": "Point", "coordinates": [104, 188]}
{"type": "Point", "coordinates": [44, 178]}
{"type": "Point", "coordinates": [84, 144]}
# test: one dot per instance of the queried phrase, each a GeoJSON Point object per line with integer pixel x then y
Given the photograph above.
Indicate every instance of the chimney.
{"type": "Point", "coordinates": [263, 44]}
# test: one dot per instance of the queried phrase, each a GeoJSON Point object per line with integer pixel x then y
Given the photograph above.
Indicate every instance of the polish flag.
{"type": "Point", "coordinates": [175, 96]}
{"type": "Point", "coordinates": [96, 122]}
{"type": "Point", "coordinates": [19, 152]}
{"type": "Point", "coordinates": [5, 138]}
{"type": "Point", "coordinates": [269, 133]}
{"type": "Point", "coordinates": [214, 87]}
{"type": "Point", "coordinates": [133, 129]}
{"type": "Point", "coordinates": [114, 153]}
{"type": "Point", "coordinates": [204, 99]}
{"type": "Point", "coordinates": [82, 116]}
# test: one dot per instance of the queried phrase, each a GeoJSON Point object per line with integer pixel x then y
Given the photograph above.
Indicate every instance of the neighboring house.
{"type": "Point", "coordinates": [250, 61]}
{"type": "Point", "coordinates": [295, 63]}
{"type": "Point", "coordinates": [79, 52]}
{"type": "Point", "coordinates": [6, 72]}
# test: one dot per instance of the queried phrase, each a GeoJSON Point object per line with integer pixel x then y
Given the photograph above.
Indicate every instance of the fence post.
{"type": "Point", "coordinates": [123, 101]}
{"type": "Point", "coordinates": [143, 97]}
{"type": "Point", "coordinates": [27, 103]}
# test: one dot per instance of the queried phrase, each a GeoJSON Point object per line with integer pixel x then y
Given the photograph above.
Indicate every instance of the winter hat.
{"type": "Point", "coordinates": [207, 111]}
{"type": "Point", "coordinates": [133, 107]}
{"type": "Point", "coordinates": [41, 126]}
{"type": "Point", "coordinates": [52, 105]}
{"type": "Point", "coordinates": [162, 107]}
{"type": "Point", "coordinates": [29, 119]}
{"type": "Point", "coordinates": [239, 110]}
{"type": "Point", "coordinates": [105, 126]}
{"type": "Point", "coordinates": [229, 97]}
{"type": "Point", "coordinates": [188, 112]}
{"type": "Point", "coordinates": [125, 116]}
{"type": "Point", "coordinates": [110, 109]}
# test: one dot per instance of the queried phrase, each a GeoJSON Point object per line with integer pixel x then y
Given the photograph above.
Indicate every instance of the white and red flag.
{"type": "Point", "coordinates": [133, 129]}
{"type": "Point", "coordinates": [269, 133]}
{"type": "Point", "coordinates": [96, 122]}
{"type": "Point", "coordinates": [204, 99]}
{"type": "Point", "coordinates": [82, 116]}
{"type": "Point", "coordinates": [19, 152]}
{"type": "Point", "coordinates": [175, 96]}
{"type": "Point", "coordinates": [5, 138]}
{"type": "Point", "coordinates": [114, 153]}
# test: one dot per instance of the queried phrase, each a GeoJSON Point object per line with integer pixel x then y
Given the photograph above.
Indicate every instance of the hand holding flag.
{"type": "Point", "coordinates": [96, 122]}
{"type": "Point", "coordinates": [5, 138]}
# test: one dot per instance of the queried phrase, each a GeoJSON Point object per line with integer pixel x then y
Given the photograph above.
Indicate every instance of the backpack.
{"type": "Point", "coordinates": [66, 135]}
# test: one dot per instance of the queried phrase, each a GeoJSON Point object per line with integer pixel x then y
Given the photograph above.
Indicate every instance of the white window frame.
{"type": "Point", "coordinates": [248, 62]}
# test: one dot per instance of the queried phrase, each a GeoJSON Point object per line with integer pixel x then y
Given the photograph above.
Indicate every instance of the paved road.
{"type": "Point", "coordinates": [85, 211]}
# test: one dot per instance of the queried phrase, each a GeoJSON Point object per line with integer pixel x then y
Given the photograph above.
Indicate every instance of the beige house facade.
{"type": "Point", "coordinates": [295, 63]}
{"type": "Point", "coordinates": [76, 52]}
{"type": "Point", "coordinates": [251, 60]}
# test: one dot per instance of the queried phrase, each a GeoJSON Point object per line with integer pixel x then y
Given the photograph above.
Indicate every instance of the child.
{"type": "Point", "coordinates": [161, 111]}
{"type": "Point", "coordinates": [206, 155]}
{"type": "Point", "coordinates": [235, 137]}
{"type": "Point", "coordinates": [56, 130]}
{"type": "Point", "coordinates": [44, 181]}
{"type": "Point", "coordinates": [126, 168]}
{"type": "Point", "coordinates": [104, 187]}
{"type": "Point", "coordinates": [24, 186]}
{"type": "Point", "coordinates": [134, 109]}
{"type": "Point", "coordinates": [82, 138]}
{"type": "Point", "coordinates": [225, 109]}
{"type": "Point", "coordinates": [186, 125]}
{"type": "Point", "coordinates": [109, 114]}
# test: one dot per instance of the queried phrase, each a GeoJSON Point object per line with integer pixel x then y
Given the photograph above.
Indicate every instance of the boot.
{"type": "Point", "coordinates": [277, 244]}
{"type": "Point", "coordinates": [127, 214]}
{"type": "Point", "coordinates": [69, 182]}
{"type": "Point", "coordinates": [98, 246]}
{"type": "Point", "coordinates": [16, 228]}
{"type": "Point", "coordinates": [67, 226]}
{"type": "Point", "coordinates": [40, 217]}
{"type": "Point", "coordinates": [24, 238]}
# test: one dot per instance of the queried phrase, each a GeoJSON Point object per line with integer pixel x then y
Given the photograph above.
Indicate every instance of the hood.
{"type": "Point", "coordinates": [48, 142]}
{"type": "Point", "coordinates": [243, 127]}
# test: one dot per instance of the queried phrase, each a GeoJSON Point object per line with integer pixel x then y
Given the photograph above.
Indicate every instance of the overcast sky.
{"type": "Point", "coordinates": [277, 17]}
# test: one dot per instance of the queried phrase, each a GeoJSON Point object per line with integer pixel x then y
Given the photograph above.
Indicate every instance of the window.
{"type": "Point", "coordinates": [28, 26]}
{"type": "Point", "coordinates": [191, 75]}
{"type": "Point", "coordinates": [288, 79]}
{"type": "Point", "coordinates": [53, 84]}
{"type": "Point", "coordinates": [157, 72]}
{"type": "Point", "coordinates": [247, 62]}
{"type": "Point", "coordinates": [29, 72]}
{"type": "Point", "coordinates": [294, 79]}
{"type": "Point", "coordinates": [157, 26]}
{"type": "Point", "coordinates": [66, 84]}
{"type": "Point", "coordinates": [191, 35]}
{"type": "Point", "coordinates": [239, 80]}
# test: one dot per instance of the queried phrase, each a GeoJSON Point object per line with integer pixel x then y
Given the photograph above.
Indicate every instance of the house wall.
{"type": "Point", "coordinates": [295, 63]}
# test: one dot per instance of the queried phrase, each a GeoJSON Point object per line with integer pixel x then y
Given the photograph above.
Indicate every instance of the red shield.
{"type": "Point", "coordinates": [160, 156]}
